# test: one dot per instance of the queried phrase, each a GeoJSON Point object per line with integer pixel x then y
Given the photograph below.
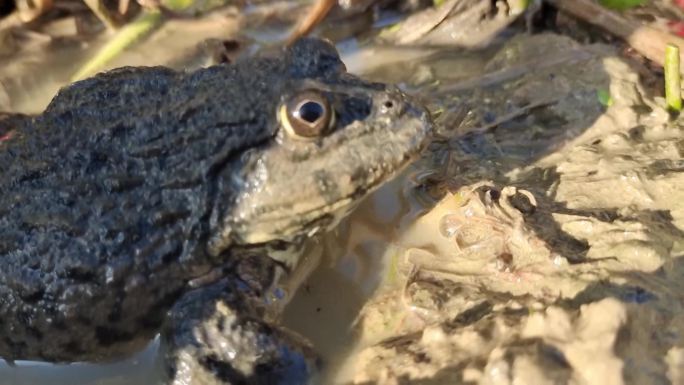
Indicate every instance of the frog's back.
{"type": "Point", "coordinates": [108, 198]}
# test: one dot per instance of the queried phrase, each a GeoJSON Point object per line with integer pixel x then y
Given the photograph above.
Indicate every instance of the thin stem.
{"type": "Point", "coordinates": [673, 93]}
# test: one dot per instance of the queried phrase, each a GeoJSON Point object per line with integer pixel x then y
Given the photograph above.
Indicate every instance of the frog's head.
{"type": "Point", "coordinates": [336, 139]}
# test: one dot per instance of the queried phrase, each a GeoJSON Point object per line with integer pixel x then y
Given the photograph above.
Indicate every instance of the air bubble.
{"type": "Point", "coordinates": [450, 225]}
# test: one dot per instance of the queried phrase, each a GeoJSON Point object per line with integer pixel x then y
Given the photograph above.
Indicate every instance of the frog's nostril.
{"type": "Point", "coordinates": [392, 104]}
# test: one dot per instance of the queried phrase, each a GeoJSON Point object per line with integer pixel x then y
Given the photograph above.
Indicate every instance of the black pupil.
{"type": "Point", "coordinates": [311, 112]}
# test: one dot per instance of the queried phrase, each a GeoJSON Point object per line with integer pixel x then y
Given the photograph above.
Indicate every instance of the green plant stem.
{"type": "Point", "coordinates": [673, 93]}
{"type": "Point", "coordinates": [132, 32]}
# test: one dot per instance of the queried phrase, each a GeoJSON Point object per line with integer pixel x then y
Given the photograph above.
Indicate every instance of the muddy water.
{"type": "Point", "coordinates": [554, 255]}
{"type": "Point", "coordinates": [562, 268]}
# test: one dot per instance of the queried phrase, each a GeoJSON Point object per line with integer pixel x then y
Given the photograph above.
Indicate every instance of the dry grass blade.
{"type": "Point", "coordinates": [132, 32]}
{"type": "Point", "coordinates": [506, 74]}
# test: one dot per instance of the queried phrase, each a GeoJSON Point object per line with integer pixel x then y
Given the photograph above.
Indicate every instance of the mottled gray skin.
{"type": "Point", "coordinates": [137, 183]}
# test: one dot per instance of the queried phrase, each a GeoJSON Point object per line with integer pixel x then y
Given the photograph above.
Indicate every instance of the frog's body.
{"type": "Point", "coordinates": [135, 184]}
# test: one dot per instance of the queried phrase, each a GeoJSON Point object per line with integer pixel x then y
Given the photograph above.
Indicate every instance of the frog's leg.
{"type": "Point", "coordinates": [218, 335]}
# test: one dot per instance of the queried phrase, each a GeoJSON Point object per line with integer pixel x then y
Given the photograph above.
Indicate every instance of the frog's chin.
{"type": "Point", "coordinates": [308, 224]}
{"type": "Point", "coordinates": [292, 229]}
{"type": "Point", "coordinates": [317, 220]}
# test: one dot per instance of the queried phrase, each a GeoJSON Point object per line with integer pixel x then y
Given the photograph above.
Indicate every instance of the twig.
{"type": "Point", "coordinates": [648, 41]}
{"type": "Point", "coordinates": [312, 18]}
{"type": "Point", "coordinates": [100, 10]}
{"type": "Point", "coordinates": [524, 110]}
{"type": "Point", "coordinates": [419, 24]}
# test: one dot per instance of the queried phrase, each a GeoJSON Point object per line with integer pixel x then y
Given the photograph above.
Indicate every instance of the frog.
{"type": "Point", "coordinates": [145, 200]}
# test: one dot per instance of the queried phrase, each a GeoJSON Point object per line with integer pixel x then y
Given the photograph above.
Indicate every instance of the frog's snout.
{"type": "Point", "coordinates": [392, 102]}
{"type": "Point", "coordinates": [399, 105]}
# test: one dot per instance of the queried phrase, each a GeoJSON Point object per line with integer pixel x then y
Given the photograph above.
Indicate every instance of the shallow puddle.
{"type": "Point", "coordinates": [139, 369]}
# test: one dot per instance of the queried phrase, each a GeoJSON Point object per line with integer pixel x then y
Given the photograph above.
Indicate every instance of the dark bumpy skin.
{"type": "Point", "coordinates": [138, 181]}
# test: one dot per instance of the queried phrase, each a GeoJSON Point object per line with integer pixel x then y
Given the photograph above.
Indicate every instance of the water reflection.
{"type": "Point", "coordinates": [134, 371]}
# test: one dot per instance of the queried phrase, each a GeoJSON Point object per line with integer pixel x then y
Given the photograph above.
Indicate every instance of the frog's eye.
{"type": "Point", "coordinates": [307, 115]}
